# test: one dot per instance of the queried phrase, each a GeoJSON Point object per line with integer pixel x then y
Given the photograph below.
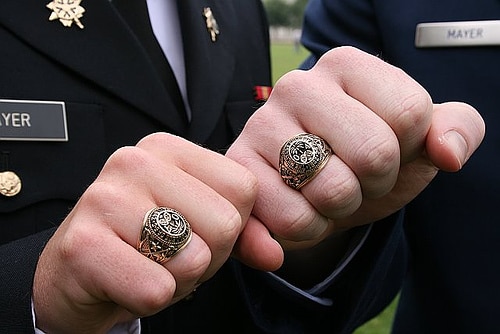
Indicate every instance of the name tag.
{"type": "Point", "coordinates": [33, 120]}
{"type": "Point", "coordinates": [456, 34]}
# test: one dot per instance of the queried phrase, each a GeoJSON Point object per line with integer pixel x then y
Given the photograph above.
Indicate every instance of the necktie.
{"type": "Point", "coordinates": [135, 13]}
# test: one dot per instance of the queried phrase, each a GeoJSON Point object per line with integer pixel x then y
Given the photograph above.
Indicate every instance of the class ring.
{"type": "Point", "coordinates": [164, 233]}
{"type": "Point", "coordinates": [302, 157]}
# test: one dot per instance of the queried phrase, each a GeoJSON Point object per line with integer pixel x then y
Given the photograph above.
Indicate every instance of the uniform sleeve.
{"type": "Point", "coordinates": [332, 23]}
{"type": "Point", "coordinates": [18, 260]}
{"type": "Point", "coordinates": [370, 281]}
{"type": "Point", "coordinates": [356, 293]}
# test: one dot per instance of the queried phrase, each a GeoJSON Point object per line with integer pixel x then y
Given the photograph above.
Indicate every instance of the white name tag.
{"type": "Point", "coordinates": [33, 120]}
{"type": "Point", "coordinates": [455, 34]}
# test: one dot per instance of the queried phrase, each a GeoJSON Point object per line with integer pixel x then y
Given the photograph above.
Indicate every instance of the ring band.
{"type": "Point", "coordinates": [164, 233]}
{"type": "Point", "coordinates": [302, 157]}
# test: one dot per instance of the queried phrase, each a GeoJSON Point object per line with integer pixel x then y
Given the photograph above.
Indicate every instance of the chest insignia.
{"type": "Point", "coordinates": [212, 26]}
{"type": "Point", "coordinates": [10, 184]}
{"type": "Point", "coordinates": [67, 12]}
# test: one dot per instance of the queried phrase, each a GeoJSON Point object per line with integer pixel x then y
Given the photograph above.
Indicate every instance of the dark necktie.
{"type": "Point", "coordinates": [135, 13]}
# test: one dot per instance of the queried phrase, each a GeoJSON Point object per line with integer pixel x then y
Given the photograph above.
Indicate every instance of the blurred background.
{"type": "Point", "coordinates": [285, 20]}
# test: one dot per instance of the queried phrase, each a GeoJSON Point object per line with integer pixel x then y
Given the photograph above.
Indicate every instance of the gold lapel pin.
{"type": "Point", "coordinates": [67, 12]}
{"type": "Point", "coordinates": [212, 26]}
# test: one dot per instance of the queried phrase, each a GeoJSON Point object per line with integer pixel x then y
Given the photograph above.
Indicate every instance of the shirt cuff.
{"type": "Point", "coordinates": [312, 294]}
{"type": "Point", "coordinates": [131, 327]}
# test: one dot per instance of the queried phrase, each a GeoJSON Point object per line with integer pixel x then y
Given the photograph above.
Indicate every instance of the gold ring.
{"type": "Point", "coordinates": [164, 233]}
{"type": "Point", "coordinates": [302, 157]}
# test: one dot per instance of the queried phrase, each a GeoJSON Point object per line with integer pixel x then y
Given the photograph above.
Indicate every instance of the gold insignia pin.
{"type": "Point", "coordinates": [212, 26]}
{"type": "Point", "coordinates": [67, 12]}
{"type": "Point", "coordinates": [10, 184]}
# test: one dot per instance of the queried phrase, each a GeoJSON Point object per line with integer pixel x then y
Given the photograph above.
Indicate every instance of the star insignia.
{"type": "Point", "coordinates": [67, 12]}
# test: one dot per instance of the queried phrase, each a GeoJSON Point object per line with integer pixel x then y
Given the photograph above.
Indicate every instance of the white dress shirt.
{"type": "Point", "coordinates": [167, 29]}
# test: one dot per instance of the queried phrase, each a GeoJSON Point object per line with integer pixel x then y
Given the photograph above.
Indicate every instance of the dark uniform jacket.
{"type": "Point", "coordinates": [113, 96]}
{"type": "Point", "coordinates": [452, 230]}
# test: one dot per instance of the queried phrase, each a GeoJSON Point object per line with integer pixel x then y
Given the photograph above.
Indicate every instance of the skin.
{"type": "Point", "coordinates": [389, 140]}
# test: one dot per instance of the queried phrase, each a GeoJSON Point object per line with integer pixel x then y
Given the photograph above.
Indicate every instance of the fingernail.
{"type": "Point", "coordinates": [459, 145]}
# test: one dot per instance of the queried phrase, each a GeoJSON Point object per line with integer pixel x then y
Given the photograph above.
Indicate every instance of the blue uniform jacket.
{"type": "Point", "coordinates": [452, 231]}
{"type": "Point", "coordinates": [113, 97]}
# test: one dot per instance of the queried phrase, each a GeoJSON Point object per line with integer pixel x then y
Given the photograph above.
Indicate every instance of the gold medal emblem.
{"type": "Point", "coordinates": [10, 184]}
{"type": "Point", "coordinates": [67, 12]}
{"type": "Point", "coordinates": [212, 26]}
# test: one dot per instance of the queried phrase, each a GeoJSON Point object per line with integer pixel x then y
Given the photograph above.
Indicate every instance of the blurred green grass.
{"type": "Point", "coordinates": [286, 57]}
{"type": "Point", "coordinates": [381, 324]}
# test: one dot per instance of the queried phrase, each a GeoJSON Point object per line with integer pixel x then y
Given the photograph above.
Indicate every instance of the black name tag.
{"type": "Point", "coordinates": [33, 120]}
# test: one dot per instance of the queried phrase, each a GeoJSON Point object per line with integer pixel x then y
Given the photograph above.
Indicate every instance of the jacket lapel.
{"type": "Point", "coordinates": [100, 52]}
{"type": "Point", "coordinates": [209, 65]}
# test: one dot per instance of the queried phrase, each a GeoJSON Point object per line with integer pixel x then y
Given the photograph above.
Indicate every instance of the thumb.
{"type": "Point", "coordinates": [456, 131]}
{"type": "Point", "coordinates": [257, 248]}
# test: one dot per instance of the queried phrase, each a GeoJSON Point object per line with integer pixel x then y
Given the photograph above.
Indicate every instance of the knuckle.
{"type": "Point", "coordinates": [128, 158]}
{"type": "Point", "coordinates": [248, 188]}
{"type": "Point", "coordinates": [78, 240]}
{"type": "Point", "coordinates": [345, 57]}
{"type": "Point", "coordinates": [258, 125]}
{"type": "Point", "coordinates": [377, 168]}
{"type": "Point", "coordinates": [298, 225]}
{"type": "Point", "coordinates": [340, 196]}
{"type": "Point", "coordinates": [158, 138]}
{"type": "Point", "coordinates": [287, 87]}
{"type": "Point", "coordinates": [155, 298]}
{"type": "Point", "coordinates": [228, 229]}
{"type": "Point", "coordinates": [198, 265]}
{"type": "Point", "coordinates": [101, 197]}
{"type": "Point", "coordinates": [290, 79]}
{"type": "Point", "coordinates": [340, 54]}
{"type": "Point", "coordinates": [377, 158]}
{"type": "Point", "coordinates": [415, 108]}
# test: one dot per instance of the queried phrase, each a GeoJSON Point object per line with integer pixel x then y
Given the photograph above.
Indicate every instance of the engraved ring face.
{"type": "Point", "coordinates": [301, 158]}
{"type": "Point", "coordinates": [164, 233]}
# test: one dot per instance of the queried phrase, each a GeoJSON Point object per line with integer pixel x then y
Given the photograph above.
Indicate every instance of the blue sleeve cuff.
{"type": "Point", "coordinates": [312, 294]}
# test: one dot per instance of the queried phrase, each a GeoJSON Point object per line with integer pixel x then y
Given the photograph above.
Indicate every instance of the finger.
{"type": "Point", "coordinates": [386, 90]}
{"type": "Point", "coordinates": [457, 131]}
{"type": "Point", "coordinates": [338, 189]}
{"type": "Point", "coordinates": [229, 179]}
{"type": "Point", "coordinates": [365, 163]}
{"type": "Point", "coordinates": [216, 206]}
{"type": "Point", "coordinates": [173, 182]}
{"type": "Point", "coordinates": [257, 248]}
{"type": "Point", "coordinates": [190, 266]}
{"type": "Point", "coordinates": [100, 232]}
{"type": "Point", "coordinates": [370, 113]}
{"type": "Point", "coordinates": [142, 286]}
{"type": "Point", "coordinates": [285, 211]}
{"type": "Point", "coordinates": [100, 267]}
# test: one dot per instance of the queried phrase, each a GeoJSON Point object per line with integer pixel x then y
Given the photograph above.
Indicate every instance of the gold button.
{"type": "Point", "coordinates": [10, 184]}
